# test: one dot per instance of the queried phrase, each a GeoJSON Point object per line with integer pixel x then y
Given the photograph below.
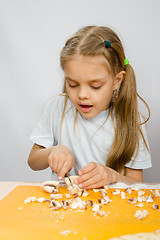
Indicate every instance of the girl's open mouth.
{"type": "Point", "coordinates": [85, 108]}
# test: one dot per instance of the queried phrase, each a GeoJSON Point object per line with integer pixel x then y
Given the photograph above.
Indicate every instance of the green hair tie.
{"type": "Point", "coordinates": [126, 61]}
{"type": "Point", "coordinates": [107, 44]}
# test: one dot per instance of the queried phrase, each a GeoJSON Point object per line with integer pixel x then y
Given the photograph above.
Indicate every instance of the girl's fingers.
{"type": "Point", "coordinates": [96, 177]}
{"type": "Point", "coordinates": [93, 182]}
{"type": "Point", "coordinates": [89, 167]}
{"type": "Point", "coordinates": [57, 159]}
{"type": "Point", "coordinates": [90, 181]}
{"type": "Point", "coordinates": [62, 170]}
{"type": "Point", "coordinates": [66, 167]}
{"type": "Point", "coordinates": [61, 164]}
{"type": "Point", "coordinates": [88, 175]}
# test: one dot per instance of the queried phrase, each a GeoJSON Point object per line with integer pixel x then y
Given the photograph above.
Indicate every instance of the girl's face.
{"type": "Point", "coordinates": [89, 84]}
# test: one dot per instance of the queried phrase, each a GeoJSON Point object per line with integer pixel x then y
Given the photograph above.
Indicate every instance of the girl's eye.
{"type": "Point", "coordinates": [96, 87]}
{"type": "Point", "coordinates": [72, 86]}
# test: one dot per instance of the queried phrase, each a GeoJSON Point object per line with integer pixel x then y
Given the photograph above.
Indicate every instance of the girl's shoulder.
{"type": "Point", "coordinates": [56, 104]}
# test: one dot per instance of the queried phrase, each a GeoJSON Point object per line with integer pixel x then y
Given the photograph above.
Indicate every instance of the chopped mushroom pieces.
{"type": "Point", "coordinates": [78, 203]}
{"type": "Point", "coordinates": [142, 199]}
{"type": "Point", "coordinates": [50, 186]}
{"type": "Point", "coordinates": [156, 193]}
{"type": "Point", "coordinates": [139, 205]}
{"type": "Point", "coordinates": [141, 192]}
{"type": "Point", "coordinates": [95, 207]}
{"type": "Point", "coordinates": [89, 203]}
{"type": "Point", "coordinates": [150, 199]}
{"type": "Point", "coordinates": [132, 200]}
{"type": "Point", "coordinates": [123, 195]}
{"type": "Point", "coordinates": [135, 188]}
{"type": "Point", "coordinates": [106, 187]}
{"type": "Point", "coordinates": [30, 199]}
{"type": "Point", "coordinates": [41, 199]}
{"type": "Point", "coordinates": [103, 192]}
{"type": "Point", "coordinates": [116, 192]}
{"type": "Point", "coordinates": [96, 190]}
{"type": "Point", "coordinates": [104, 200]}
{"type": "Point", "coordinates": [75, 202]}
{"type": "Point", "coordinates": [84, 193]}
{"type": "Point", "coordinates": [56, 196]}
{"type": "Point", "coordinates": [155, 206]}
{"type": "Point", "coordinates": [100, 212]}
{"type": "Point", "coordinates": [68, 195]}
{"type": "Point", "coordinates": [65, 204]}
{"type": "Point", "coordinates": [128, 190]}
{"type": "Point", "coordinates": [54, 205]}
{"type": "Point", "coordinates": [141, 214]}
{"type": "Point", "coordinates": [72, 187]}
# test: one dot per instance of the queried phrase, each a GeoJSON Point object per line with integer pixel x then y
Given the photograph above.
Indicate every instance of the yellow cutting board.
{"type": "Point", "coordinates": [37, 221]}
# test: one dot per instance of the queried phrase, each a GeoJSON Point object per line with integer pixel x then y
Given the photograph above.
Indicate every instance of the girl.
{"type": "Point", "coordinates": [93, 129]}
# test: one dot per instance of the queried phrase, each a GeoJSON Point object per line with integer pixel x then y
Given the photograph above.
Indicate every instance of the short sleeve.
{"type": "Point", "coordinates": [143, 158]}
{"type": "Point", "coordinates": [43, 133]}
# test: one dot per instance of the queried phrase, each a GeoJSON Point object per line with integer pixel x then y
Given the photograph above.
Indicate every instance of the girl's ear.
{"type": "Point", "coordinates": [118, 79]}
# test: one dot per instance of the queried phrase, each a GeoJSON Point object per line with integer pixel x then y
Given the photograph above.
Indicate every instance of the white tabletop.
{"type": "Point", "coordinates": [7, 187]}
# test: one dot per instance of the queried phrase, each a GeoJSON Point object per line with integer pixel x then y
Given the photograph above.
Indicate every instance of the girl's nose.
{"type": "Point", "coordinates": [83, 93]}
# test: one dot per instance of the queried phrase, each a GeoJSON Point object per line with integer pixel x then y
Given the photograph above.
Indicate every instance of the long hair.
{"type": "Point", "coordinates": [89, 41]}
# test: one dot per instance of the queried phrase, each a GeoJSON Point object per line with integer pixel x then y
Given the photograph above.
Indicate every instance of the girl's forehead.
{"type": "Point", "coordinates": [86, 68]}
{"type": "Point", "coordinates": [87, 63]}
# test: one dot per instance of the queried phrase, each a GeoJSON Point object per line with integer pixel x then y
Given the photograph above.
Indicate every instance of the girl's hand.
{"type": "Point", "coordinates": [95, 175]}
{"type": "Point", "coordinates": [61, 160]}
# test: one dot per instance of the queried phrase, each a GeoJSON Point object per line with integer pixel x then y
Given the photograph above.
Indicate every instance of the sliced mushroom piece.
{"type": "Point", "coordinates": [155, 206]}
{"type": "Point", "coordinates": [156, 193]}
{"type": "Point", "coordinates": [30, 199]}
{"type": "Point", "coordinates": [78, 203]}
{"type": "Point", "coordinates": [89, 203]}
{"type": "Point", "coordinates": [128, 190]}
{"type": "Point", "coordinates": [142, 198]}
{"type": "Point", "coordinates": [116, 192]}
{"type": "Point", "coordinates": [139, 205]}
{"type": "Point", "coordinates": [56, 196]}
{"type": "Point", "coordinates": [141, 214]}
{"type": "Point", "coordinates": [65, 204]}
{"type": "Point", "coordinates": [150, 199]}
{"type": "Point", "coordinates": [54, 205]}
{"type": "Point", "coordinates": [123, 195]}
{"type": "Point", "coordinates": [50, 186]}
{"type": "Point", "coordinates": [72, 187]}
{"type": "Point", "coordinates": [141, 192]}
{"type": "Point", "coordinates": [132, 200]}
{"type": "Point", "coordinates": [101, 213]}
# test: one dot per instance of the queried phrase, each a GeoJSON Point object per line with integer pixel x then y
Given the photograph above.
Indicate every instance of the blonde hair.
{"type": "Point", "coordinates": [89, 41]}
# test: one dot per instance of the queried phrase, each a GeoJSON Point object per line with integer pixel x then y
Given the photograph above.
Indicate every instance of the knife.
{"type": "Point", "coordinates": [52, 176]}
{"type": "Point", "coordinates": [67, 175]}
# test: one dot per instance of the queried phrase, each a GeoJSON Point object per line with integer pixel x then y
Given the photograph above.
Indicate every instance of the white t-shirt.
{"type": "Point", "coordinates": [90, 140]}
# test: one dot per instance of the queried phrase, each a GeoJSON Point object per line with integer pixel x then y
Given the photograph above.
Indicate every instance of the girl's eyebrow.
{"type": "Point", "coordinates": [90, 81]}
{"type": "Point", "coordinates": [67, 78]}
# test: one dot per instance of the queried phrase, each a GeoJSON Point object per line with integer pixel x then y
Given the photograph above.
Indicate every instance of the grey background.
{"type": "Point", "coordinates": [32, 33]}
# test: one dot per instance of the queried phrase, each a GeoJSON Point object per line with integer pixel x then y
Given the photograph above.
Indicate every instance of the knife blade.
{"type": "Point", "coordinates": [67, 175]}
{"type": "Point", "coordinates": [52, 176]}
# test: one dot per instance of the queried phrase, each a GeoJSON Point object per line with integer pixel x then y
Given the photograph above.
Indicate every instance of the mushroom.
{"type": "Point", "coordinates": [50, 186]}
{"type": "Point", "coordinates": [141, 214]}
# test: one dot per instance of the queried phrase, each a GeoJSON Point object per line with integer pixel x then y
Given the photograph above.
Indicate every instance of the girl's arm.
{"type": "Point", "coordinates": [95, 175]}
{"type": "Point", "coordinates": [38, 157]}
{"type": "Point", "coordinates": [59, 158]}
{"type": "Point", "coordinates": [135, 174]}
